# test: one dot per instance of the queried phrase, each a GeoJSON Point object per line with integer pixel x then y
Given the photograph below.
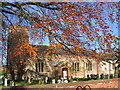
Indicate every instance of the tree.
{"type": "Point", "coordinates": [113, 56]}
{"type": "Point", "coordinates": [19, 50]}
{"type": "Point", "coordinates": [70, 26]}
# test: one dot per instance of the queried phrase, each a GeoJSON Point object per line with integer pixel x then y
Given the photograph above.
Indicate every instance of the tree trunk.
{"type": "Point", "coordinates": [116, 72]}
{"type": "Point", "coordinates": [19, 76]}
{"type": "Point", "coordinates": [12, 75]}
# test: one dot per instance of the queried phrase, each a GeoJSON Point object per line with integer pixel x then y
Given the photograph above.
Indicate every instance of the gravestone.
{"type": "Point", "coordinates": [46, 79]}
{"type": "Point", "coordinates": [66, 81]}
{"type": "Point", "coordinates": [53, 81]}
{"type": "Point", "coordinates": [59, 81]}
{"type": "Point", "coordinates": [5, 82]}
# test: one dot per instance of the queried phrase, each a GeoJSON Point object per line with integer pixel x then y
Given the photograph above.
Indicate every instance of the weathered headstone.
{"type": "Point", "coordinates": [59, 81]}
{"type": "Point", "coordinates": [65, 81]}
{"type": "Point", "coordinates": [5, 82]}
{"type": "Point", "coordinates": [53, 81]}
{"type": "Point", "coordinates": [46, 79]}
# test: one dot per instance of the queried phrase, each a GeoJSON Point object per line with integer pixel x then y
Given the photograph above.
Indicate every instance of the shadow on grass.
{"type": "Point", "coordinates": [14, 88]}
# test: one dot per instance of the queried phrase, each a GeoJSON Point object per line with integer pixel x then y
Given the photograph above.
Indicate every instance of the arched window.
{"type": "Point", "coordinates": [76, 66]}
{"type": "Point", "coordinates": [89, 66]}
{"type": "Point", "coordinates": [36, 67]}
{"type": "Point", "coordinates": [40, 67]}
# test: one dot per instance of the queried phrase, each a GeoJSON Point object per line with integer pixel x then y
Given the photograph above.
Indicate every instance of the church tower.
{"type": "Point", "coordinates": [18, 35]}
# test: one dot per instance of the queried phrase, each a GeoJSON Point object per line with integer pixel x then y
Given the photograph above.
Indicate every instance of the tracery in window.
{"type": "Point", "coordinates": [89, 66]}
{"type": "Point", "coordinates": [76, 66]}
{"type": "Point", "coordinates": [40, 67]}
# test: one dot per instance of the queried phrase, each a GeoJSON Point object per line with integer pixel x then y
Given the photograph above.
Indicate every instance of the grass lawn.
{"type": "Point", "coordinates": [37, 82]}
{"type": "Point", "coordinates": [23, 82]}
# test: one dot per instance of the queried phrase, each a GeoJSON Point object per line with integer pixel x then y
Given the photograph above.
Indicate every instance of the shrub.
{"type": "Point", "coordinates": [106, 76]}
{"type": "Point", "coordinates": [111, 75]}
{"type": "Point", "coordinates": [34, 82]}
{"type": "Point", "coordinates": [81, 79]}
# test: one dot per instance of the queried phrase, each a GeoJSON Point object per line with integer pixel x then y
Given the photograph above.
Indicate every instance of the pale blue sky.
{"type": "Point", "coordinates": [113, 27]}
{"type": "Point", "coordinates": [60, 0]}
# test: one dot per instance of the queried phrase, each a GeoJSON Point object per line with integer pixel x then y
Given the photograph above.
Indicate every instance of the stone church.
{"type": "Point", "coordinates": [69, 66]}
{"type": "Point", "coordinates": [61, 66]}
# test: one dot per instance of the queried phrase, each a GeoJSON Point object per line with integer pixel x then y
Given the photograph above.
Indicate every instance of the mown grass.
{"type": "Point", "coordinates": [22, 83]}
{"type": "Point", "coordinates": [37, 82]}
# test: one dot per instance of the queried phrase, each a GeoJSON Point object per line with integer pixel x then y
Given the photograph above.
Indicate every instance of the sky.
{"type": "Point", "coordinates": [113, 27]}
{"type": "Point", "coordinates": [60, 0]}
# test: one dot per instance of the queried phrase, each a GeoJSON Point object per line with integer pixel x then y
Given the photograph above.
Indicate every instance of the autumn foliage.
{"type": "Point", "coordinates": [69, 26]}
{"type": "Point", "coordinates": [19, 49]}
